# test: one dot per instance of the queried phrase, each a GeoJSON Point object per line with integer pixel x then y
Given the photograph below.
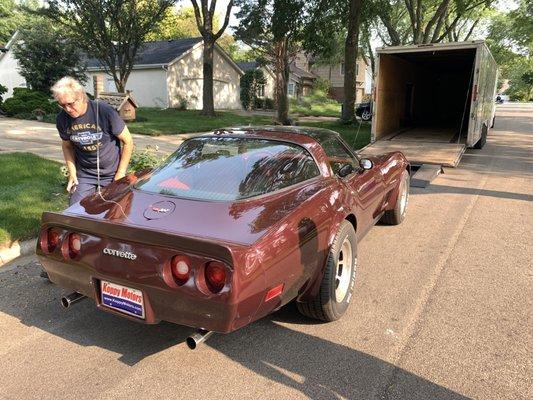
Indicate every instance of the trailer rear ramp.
{"type": "Point", "coordinates": [418, 152]}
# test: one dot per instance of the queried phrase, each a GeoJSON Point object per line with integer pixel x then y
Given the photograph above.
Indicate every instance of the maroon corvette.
{"type": "Point", "coordinates": [231, 227]}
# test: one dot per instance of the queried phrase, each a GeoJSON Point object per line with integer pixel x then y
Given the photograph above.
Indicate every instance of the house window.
{"type": "Point", "coordinates": [291, 89]}
{"type": "Point", "coordinates": [261, 91]}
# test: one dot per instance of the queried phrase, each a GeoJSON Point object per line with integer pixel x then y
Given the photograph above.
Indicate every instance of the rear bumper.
{"type": "Point", "coordinates": [180, 306]}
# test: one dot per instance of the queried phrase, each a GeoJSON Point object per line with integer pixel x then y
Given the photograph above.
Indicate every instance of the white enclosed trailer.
{"type": "Point", "coordinates": [432, 101]}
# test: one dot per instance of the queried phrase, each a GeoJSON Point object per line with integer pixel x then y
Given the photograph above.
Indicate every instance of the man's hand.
{"type": "Point", "coordinates": [72, 183]}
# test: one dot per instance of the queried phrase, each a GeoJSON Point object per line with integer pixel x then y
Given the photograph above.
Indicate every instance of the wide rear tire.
{"type": "Point", "coordinates": [338, 281]}
{"type": "Point", "coordinates": [397, 214]}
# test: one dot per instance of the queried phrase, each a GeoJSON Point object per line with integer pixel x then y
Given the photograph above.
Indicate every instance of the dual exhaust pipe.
{"type": "Point", "coordinates": [193, 341]}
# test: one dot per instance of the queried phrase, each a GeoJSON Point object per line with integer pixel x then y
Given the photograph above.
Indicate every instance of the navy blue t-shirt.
{"type": "Point", "coordinates": [83, 134]}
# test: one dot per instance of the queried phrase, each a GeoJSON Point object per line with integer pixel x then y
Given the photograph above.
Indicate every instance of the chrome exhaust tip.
{"type": "Point", "coordinates": [198, 338]}
{"type": "Point", "coordinates": [72, 298]}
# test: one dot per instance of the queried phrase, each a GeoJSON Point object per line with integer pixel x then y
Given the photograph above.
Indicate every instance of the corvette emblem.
{"type": "Point", "coordinates": [160, 209]}
{"type": "Point", "coordinates": [118, 253]}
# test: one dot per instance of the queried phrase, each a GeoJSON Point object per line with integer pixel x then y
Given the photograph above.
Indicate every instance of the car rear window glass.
{"type": "Point", "coordinates": [226, 168]}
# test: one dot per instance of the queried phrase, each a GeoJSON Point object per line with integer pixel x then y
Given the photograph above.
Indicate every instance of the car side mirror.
{"type": "Point", "coordinates": [345, 170]}
{"type": "Point", "coordinates": [366, 164]}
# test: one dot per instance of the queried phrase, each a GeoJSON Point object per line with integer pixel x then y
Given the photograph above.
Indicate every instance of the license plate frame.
{"type": "Point", "coordinates": [123, 299]}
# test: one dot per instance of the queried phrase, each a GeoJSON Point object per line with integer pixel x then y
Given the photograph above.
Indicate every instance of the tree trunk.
{"type": "Point", "coordinates": [350, 61]}
{"type": "Point", "coordinates": [282, 78]}
{"type": "Point", "coordinates": [207, 99]}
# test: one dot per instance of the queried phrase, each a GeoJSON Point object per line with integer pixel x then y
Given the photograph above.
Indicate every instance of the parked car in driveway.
{"type": "Point", "coordinates": [231, 227]}
{"type": "Point", "coordinates": [364, 111]}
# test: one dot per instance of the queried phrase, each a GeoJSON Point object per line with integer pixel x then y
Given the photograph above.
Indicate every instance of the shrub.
{"type": "Point", "coordinates": [24, 115]}
{"type": "Point", "coordinates": [269, 103]}
{"type": "Point", "coordinates": [50, 118]}
{"type": "Point", "coordinates": [26, 101]}
{"type": "Point", "coordinates": [259, 103]}
{"type": "Point", "coordinates": [250, 83]}
{"type": "Point", "coordinates": [3, 90]}
{"type": "Point", "coordinates": [145, 159]}
{"type": "Point", "coordinates": [182, 101]}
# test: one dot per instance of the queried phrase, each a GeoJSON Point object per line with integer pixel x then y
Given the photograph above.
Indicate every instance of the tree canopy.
{"type": "Point", "coordinates": [45, 55]}
{"type": "Point", "coordinates": [110, 30]}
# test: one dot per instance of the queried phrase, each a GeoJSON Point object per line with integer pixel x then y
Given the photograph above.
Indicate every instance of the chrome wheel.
{"type": "Point", "coordinates": [404, 197]}
{"type": "Point", "coordinates": [343, 273]}
{"type": "Point", "coordinates": [366, 115]}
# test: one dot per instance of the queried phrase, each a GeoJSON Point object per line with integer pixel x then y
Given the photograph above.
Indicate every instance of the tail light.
{"type": "Point", "coordinates": [72, 246]}
{"type": "Point", "coordinates": [215, 276]}
{"type": "Point", "coordinates": [181, 269]}
{"type": "Point", "coordinates": [50, 240]}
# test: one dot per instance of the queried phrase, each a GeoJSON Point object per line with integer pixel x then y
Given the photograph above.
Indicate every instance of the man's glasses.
{"type": "Point", "coordinates": [67, 105]}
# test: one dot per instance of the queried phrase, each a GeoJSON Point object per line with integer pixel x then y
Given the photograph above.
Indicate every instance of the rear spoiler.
{"type": "Point", "coordinates": [131, 233]}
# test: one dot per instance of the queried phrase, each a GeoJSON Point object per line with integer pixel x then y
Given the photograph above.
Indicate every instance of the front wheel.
{"type": "Point", "coordinates": [397, 214]}
{"type": "Point", "coordinates": [366, 115]}
{"type": "Point", "coordinates": [338, 281]}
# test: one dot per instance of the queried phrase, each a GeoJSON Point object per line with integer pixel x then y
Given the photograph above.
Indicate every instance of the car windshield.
{"type": "Point", "coordinates": [228, 168]}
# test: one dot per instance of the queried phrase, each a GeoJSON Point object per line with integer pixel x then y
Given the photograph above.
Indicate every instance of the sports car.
{"type": "Point", "coordinates": [232, 226]}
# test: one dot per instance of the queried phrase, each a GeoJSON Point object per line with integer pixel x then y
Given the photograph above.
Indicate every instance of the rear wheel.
{"type": "Point", "coordinates": [397, 214]}
{"type": "Point", "coordinates": [339, 278]}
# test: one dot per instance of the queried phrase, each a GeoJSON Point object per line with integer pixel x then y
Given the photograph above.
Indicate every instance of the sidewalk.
{"type": "Point", "coordinates": [17, 135]}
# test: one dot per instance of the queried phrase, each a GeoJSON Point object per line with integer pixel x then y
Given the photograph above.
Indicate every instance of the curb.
{"type": "Point", "coordinates": [17, 249]}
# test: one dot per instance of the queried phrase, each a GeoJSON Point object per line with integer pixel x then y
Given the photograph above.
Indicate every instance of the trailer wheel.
{"type": "Point", "coordinates": [397, 214]}
{"type": "Point", "coordinates": [338, 281]}
{"type": "Point", "coordinates": [483, 139]}
{"type": "Point", "coordinates": [366, 115]}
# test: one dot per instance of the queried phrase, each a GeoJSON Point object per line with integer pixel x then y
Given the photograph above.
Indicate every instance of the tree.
{"type": "Point", "coordinates": [204, 21]}
{"type": "Point", "coordinates": [250, 84]}
{"type": "Point", "coordinates": [13, 17]}
{"type": "Point", "coordinates": [428, 21]}
{"type": "Point", "coordinates": [112, 31]}
{"type": "Point", "coordinates": [274, 29]}
{"type": "Point", "coordinates": [45, 55]}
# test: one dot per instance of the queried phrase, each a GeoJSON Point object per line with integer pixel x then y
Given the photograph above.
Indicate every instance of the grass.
{"type": "Point", "coordinates": [348, 132]}
{"type": "Point", "coordinates": [317, 110]}
{"type": "Point", "coordinates": [155, 122]}
{"type": "Point", "coordinates": [30, 185]}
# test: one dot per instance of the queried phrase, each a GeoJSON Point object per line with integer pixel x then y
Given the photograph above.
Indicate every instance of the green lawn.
{"type": "Point", "coordinates": [348, 132]}
{"type": "Point", "coordinates": [30, 185]}
{"type": "Point", "coordinates": [317, 110]}
{"type": "Point", "coordinates": [155, 122]}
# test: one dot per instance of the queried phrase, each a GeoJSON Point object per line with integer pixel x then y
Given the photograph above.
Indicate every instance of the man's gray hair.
{"type": "Point", "coordinates": [67, 84]}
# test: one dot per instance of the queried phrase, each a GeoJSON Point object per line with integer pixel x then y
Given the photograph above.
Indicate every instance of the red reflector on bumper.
{"type": "Point", "coordinates": [274, 292]}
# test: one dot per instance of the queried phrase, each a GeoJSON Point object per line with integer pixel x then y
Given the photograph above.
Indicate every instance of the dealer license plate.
{"type": "Point", "coordinates": [121, 298]}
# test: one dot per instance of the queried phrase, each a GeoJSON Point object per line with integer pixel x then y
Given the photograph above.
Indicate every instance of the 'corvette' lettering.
{"type": "Point", "coordinates": [119, 253]}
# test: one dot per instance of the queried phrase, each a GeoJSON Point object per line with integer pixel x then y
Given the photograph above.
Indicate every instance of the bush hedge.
{"type": "Point", "coordinates": [25, 101]}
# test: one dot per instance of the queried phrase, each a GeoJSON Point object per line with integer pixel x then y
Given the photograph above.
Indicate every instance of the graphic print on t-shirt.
{"type": "Point", "coordinates": [85, 136]}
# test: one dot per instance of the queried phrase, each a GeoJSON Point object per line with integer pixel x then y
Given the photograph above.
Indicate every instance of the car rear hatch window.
{"type": "Point", "coordinates": [229, 168]}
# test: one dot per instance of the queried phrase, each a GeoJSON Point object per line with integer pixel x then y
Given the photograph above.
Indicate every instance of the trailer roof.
{"type": "Point", "coordinates": [432, 46]}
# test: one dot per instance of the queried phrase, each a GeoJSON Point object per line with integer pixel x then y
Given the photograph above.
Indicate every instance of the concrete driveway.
{"type": "Point", "coordinates": [443, 309]}
{"type": "Point", "coordinates": [42, 139]}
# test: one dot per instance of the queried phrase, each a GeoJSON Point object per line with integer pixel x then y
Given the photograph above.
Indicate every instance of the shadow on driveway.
{"type": "Point", "coordinates": [318, 368]}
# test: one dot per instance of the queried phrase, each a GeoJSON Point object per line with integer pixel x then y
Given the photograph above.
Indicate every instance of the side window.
{"type": "Point", "coordinates": [338, 154]}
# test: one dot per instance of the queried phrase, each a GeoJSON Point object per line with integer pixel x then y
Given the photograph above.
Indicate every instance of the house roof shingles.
{"type": "Point", "coordinates": [248, 65]}
{"type": "Point", "coordinates": [157, 53]}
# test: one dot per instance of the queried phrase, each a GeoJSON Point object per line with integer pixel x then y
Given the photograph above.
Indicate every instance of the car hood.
{"type": "Point", "coordinates": [241, 222]}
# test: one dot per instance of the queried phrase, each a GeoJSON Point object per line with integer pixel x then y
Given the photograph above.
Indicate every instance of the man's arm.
{"type": "Point", "coordinates": [68, 154]}
{"type": "Point", "coordinates": [126, 142]}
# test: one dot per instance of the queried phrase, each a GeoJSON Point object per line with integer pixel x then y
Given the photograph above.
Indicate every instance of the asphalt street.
{"type": "Point", "coordinates": [443, 309]}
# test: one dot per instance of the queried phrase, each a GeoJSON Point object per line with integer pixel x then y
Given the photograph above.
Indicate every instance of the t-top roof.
{"type": "Point", "coordinates": [157, 53]}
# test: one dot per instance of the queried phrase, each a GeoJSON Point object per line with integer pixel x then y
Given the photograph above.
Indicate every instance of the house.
{"type": "Point", "coordinates": [9, 75]}
{"type": "Point", "coordinates": [300, 81]}
{"type": "Point", "coordinates": [169, 73]}
{"type": "Point", "coordinates": [334, 73]}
